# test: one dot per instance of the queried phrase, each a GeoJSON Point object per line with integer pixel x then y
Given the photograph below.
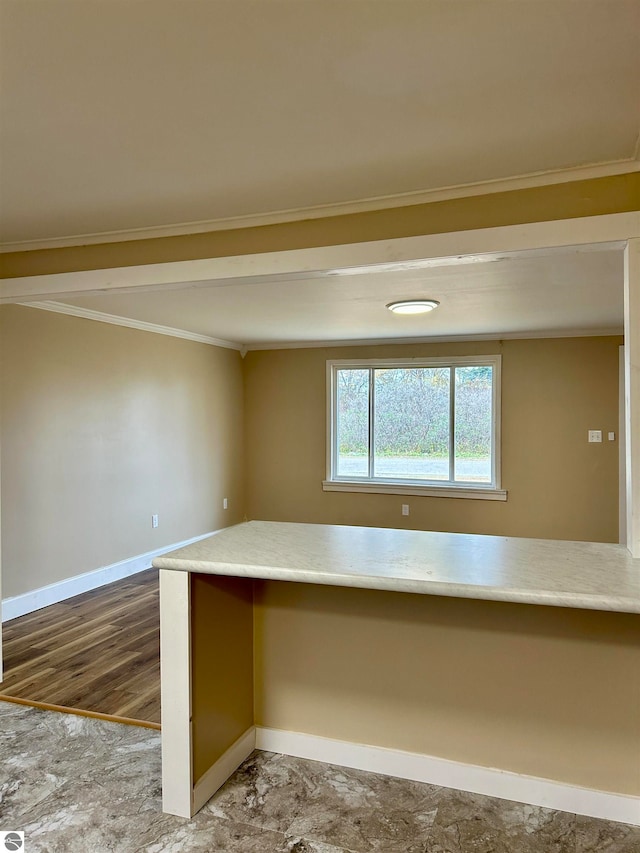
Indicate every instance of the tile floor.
{"type": "Point", "coordinates": [77, 784]}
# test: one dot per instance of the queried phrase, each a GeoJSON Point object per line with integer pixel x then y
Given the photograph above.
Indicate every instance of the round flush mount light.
{"type": "Point", "coordinates": [413, 306]}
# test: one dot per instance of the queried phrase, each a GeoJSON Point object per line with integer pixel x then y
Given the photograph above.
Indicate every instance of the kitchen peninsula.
{"type": "Point", "coordinates": [410, 652]}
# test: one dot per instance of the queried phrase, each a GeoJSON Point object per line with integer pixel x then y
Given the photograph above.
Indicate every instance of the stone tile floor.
{"type": "Point", "coordinates": [77, 784]}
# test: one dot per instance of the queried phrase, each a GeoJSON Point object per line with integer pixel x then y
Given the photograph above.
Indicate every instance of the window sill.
{"type": "Point", "coordinates": [470, 492]}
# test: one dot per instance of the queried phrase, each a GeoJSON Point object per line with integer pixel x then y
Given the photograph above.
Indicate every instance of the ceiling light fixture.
{"type": "Point", "coordinates": [413, 306]}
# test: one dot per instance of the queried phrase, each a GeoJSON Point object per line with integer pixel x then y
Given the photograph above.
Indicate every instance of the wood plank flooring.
{"type": "Point", "coordinates": [98, 652]}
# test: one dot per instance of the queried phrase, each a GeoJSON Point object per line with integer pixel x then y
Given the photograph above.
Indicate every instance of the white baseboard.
{"type": "Point", "coordinates": [19, 605]}
{"type": "Point", "coordinates": [452, 774]}
{"type": "Point", "coordinates": [224, 767]}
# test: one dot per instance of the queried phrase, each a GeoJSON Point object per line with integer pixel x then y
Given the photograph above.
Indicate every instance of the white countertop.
{"type": "Point", "coordinates": [587, 575]}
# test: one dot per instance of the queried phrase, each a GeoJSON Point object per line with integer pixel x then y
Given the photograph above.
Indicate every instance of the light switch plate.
{"type": "Point", "coordinates": [595, 435]}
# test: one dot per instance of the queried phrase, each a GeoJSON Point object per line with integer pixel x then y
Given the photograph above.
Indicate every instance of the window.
{"type": "Point", "coordinates": [425, 426]}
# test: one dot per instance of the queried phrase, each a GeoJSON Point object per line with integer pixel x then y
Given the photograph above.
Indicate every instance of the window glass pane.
{"type": "Point", "coordinates": [412, 423]}
{"type": "Point", "coordinates": [473, 424]}
{"type": "Point", "coordinates": [353, 423]}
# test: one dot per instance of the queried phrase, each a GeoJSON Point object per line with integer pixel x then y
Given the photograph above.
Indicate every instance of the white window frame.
{"type": "Point", "coordinates": [434, 488]}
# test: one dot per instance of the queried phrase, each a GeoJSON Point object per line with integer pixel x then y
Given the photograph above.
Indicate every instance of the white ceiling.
{"type": "Point", "coordinates": [533, 293]}
{"type": "Point", "coordinates": [129, 115]}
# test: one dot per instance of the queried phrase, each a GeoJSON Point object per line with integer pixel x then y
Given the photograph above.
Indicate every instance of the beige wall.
{"type": "Point", "coordinates": [542, 691]}
{"type": "Point", "coordinates": [553, 391]}
{"type": "Point", "coordinates": [101, 427]}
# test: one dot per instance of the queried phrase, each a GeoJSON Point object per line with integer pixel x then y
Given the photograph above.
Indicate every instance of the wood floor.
{"type": "Point", "coordinates": [98, 652]}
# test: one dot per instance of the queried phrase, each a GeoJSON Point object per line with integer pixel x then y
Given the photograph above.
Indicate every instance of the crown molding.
{"type": "Point", "coordinates": [114, 320]}
{"type": "Point", "coordinates": [529, 181]}
{"type": "Point", "coordinates": [439, 339]}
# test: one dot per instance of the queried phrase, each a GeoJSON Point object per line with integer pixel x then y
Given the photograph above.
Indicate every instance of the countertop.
{"type": "Point", "coordinates": [588, 575]}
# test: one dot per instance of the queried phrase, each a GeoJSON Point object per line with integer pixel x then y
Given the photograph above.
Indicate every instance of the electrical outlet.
{"type": "Point", "coordinates": [595, 435]}
{"type": "Point", "coordinates": [405, 509]}
{"type": "Point", "coordinates": [154, 520]}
